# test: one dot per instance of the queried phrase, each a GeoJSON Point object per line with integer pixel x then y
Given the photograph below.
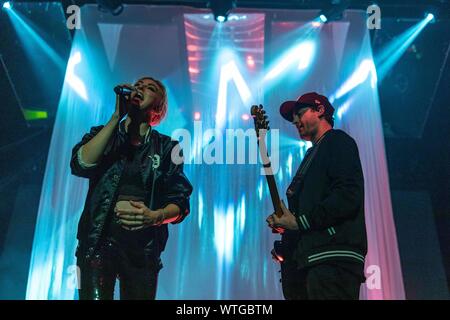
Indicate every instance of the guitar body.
{"type": "Point", "coordinates": [289, 272]}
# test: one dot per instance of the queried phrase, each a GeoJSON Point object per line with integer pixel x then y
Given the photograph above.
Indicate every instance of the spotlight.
{"type": "Point", "coordinates": [221, 18]}
{"type": "Point", "coordinates": [250, 61]}
{"type": "Point", "coordinates": [333, 11]}
{"type": "Point", "coordinates": [430, 17]}
{"type": "Point", "coordinates": [6, 5]}
{"type": "Point", "coordinates": [115, 7]}
{"type": "Point", "coordinates": [221, 9]}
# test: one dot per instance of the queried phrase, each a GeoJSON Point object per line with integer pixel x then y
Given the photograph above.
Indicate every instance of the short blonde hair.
{"type": "Point", "coordinates": [157, 112]}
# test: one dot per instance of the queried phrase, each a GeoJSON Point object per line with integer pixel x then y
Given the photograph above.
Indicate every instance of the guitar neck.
{"type": "Point", "coordinates": [261, 128]}
{"type": "Point", "coordinates": [274, 195]}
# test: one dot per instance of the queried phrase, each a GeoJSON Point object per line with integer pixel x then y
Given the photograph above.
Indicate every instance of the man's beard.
{"type": "Point", "coordinates": [308, 132]}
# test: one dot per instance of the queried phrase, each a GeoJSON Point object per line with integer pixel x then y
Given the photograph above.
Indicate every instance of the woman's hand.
{"type": "Point", "coordinates": [122, 103]}
{"type": "Point", "coordinates": [138, 216]}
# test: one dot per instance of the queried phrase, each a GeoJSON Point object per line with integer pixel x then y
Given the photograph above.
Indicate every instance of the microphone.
{"type": "Point", "coordinates": [123, 91]}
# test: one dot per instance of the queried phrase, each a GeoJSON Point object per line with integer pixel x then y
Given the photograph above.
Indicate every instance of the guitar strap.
{"type": "Point", "coordinates": [304, 166]}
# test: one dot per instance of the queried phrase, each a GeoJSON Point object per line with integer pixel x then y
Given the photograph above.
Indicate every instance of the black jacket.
{"type": "Point", "coordinates": [170, 185]}
{"type": "Point", "coordinates": [328, 201]}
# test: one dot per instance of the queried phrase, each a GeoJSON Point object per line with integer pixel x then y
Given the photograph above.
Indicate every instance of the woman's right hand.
{"type": "Point", "coordinates": [122, 103]}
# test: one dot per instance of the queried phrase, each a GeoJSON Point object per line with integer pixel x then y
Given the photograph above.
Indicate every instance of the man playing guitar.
{"type": "Point", "coordinates": [324, 240]}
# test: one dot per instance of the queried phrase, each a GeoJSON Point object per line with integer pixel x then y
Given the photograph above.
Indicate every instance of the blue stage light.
{"type": "Point", "coordinates": [221, 19]}
{"type": "Point", "coordinates": [6, 5]}
{"type": "Point", "coordinates": [302, 54]}
{"type": "Point", "coordinates": [388, 56]}
{"type": "Point", "coordinates": [323, 18]}
{"type": "Point", "coordinates": [221, 9]}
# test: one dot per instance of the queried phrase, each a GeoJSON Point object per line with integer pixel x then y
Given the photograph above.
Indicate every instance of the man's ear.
{"type": "Point", "coordinates": [321, 110]}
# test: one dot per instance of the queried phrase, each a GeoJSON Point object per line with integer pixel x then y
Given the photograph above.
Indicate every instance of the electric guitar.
{"type": "Point", "coordinates": [262, 127]}
{"type": "Point", "coordinates": [283, 250]}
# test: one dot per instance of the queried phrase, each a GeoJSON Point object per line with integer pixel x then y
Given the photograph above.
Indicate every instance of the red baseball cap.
{"type": "Point", "coordinates": [310, 99]}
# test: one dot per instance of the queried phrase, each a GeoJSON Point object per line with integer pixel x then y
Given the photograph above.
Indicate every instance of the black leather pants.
{"type": "Point", "coordinates": [137, 273]}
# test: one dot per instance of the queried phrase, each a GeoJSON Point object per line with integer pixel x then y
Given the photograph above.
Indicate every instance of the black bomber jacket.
{"type": "Point", "coordinates": [164, 180]}
{"type": "Point", "coordinates": [328, 202]}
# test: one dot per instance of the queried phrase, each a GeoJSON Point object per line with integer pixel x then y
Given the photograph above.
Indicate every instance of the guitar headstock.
{"type": "Point", "coordinates": [260, 119]}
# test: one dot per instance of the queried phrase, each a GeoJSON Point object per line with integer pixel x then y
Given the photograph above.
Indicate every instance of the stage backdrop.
{"type": "Point", "coordinates": [214, 73]}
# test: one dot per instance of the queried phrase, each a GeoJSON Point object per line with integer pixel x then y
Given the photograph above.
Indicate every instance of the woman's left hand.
{"type": "Point", "coordinates": [139, 216]}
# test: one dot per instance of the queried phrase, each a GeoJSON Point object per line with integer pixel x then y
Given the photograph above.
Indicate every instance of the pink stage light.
{"type": "Point", "coordinates": [250, 61]}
